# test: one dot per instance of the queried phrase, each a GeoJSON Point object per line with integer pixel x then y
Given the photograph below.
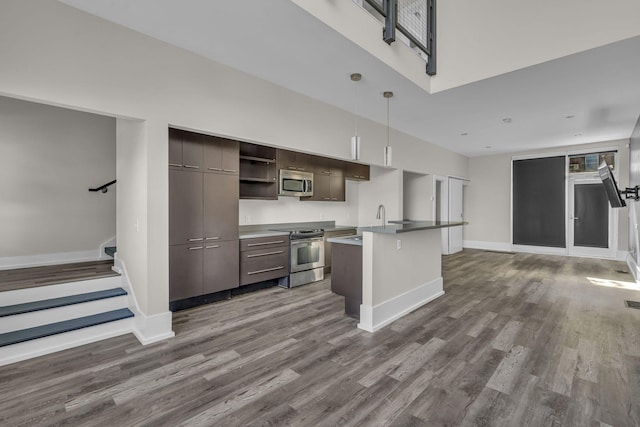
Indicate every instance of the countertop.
{"type": "Point", "coordinates": [262, 233]}
{"type": "Point", "coordinates": [339, 228]}
{"type": "Point", "coordinates": [413, 226]}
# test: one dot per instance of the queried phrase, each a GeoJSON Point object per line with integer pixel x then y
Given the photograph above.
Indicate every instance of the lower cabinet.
{"type": "Point", "coordinates": [200, 269]}
{"type": "Point", "coordinates": [327, 245]}
{"type": "Point", "coordinates": [263, 258]}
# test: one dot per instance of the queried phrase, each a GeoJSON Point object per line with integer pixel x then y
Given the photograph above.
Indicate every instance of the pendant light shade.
{"type": "Point", "coordinates": [387, 149]}
{"type": "Point", "coordinates": [355, 139]}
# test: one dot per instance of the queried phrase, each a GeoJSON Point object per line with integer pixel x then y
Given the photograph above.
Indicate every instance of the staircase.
{"type": "Point", "coordinates": [39, 320]}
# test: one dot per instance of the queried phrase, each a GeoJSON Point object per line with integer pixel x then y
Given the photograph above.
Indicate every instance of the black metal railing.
{"type": "Point", "coordinates": [104, 188]}
{"type": "Point", "coordinates": [415, 19]}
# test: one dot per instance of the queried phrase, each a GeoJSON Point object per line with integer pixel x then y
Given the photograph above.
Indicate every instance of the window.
{"type": "Point", "coordinates": [587, 163]}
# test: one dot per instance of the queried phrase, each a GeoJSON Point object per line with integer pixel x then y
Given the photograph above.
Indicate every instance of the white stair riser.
{"type": "Point", "coordinates": [22, 296]}
{"type": "Point", "coordinates": [30, 349]}
{"type": "Point", "coordinates": [59, 314]}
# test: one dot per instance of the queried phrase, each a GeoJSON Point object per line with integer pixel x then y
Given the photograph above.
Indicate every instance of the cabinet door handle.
{"type": "Point", "coordinates": [334, 198]}
{"type": "Point", "coordinates": [265, 254]}
{"type": "Point", "coordinates": [266, 243]}
{"type": "Point", "coordinates": [198, 239]}
{"type": "Point", "coordinates": [215, 169]}
{"type": "Point", "coordinates": [175, 164]}
{"type": "Point", "coordinates": [230, 170]}
{"type": "Point", "coordinates": [192, 166]}
{"type": "Point", "coordinates": [195, 247]}
{"type": "Point", "coordinates": [326, 198]}
{"type": "Point", "coordinates": [326, 172]}
{"type": "Point", "coordinates": [212, 238]}
{"type": "Point", "coordinates": [265, 270]}
{"type": "Point", "coordinates": [211, 246]}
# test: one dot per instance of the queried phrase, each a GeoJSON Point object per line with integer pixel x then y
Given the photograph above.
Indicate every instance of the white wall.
{"type": "Point", "coordinates": [385, 188]}
{"type": "Point", "coordinates": [416, 200]}
{"type": "Point", "coordinates": [50, 158]}
{"type": "Point", "coordinates": [59, 55]}
{"type": "Point", "coordinates": [488, 195]}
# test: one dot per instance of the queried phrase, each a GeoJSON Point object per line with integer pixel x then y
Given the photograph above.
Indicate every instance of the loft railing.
{"type": "Point", "coordinates": [104, 188]}
{"type": "Point", "coordinates": [415, 19]}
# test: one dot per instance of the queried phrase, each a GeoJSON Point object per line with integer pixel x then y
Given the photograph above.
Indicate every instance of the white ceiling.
{"type": "Point", "coordinates": [279, 42]}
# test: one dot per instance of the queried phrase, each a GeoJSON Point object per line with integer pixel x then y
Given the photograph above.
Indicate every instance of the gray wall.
{"type": "Point", "coordinates": [50, 157]}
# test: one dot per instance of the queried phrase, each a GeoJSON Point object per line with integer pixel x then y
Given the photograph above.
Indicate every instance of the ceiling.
{"type": "Point", "coordinates": [590, 96]}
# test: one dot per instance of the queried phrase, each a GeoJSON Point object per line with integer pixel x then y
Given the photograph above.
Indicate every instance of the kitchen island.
{"type": "Point", "coordinates": [401, 269]}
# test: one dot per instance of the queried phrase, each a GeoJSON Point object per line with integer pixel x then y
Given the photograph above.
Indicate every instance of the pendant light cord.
{"type": "Point", "coordinates": [388, 126]}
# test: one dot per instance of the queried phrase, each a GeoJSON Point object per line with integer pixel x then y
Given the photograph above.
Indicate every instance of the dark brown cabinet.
{"type": "Point", "coordinates": [293, 160]}
{"type": "Point", "coordinates": [203, 215]}
{"type": "Point", "coordinates": [185, 207]}
{"type": "Point", "coordinates": [219, 259]}
{"type": "Point", "coordinates": [263, 258]}
{"type": "Point", "coordinates": [328, 246]}
{"type": "Point", "coordinates": [346, 276]}
{"type": "Point", "coordinates": [220, 207]}
{"type": "Point", "coordinates": [185, 150]}
{"type": "Point", "coordinates": [356, 171]}
{"type": "Point", "coordinates": [328, 186]}
{"type": "Point", "coordinates": [221, 155]}
{"type": "Point", "coordinates": [258, 174]}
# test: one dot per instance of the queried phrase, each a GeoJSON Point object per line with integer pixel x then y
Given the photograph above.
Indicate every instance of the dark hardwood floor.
{"type": "Point", "coordinates": [517, 340]}
{"type": "Point", "coordinates": [32, 277]}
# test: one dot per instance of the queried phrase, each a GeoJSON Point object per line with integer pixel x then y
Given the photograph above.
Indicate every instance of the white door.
{"type": "Point", "coordinates": [455, 214]}
{"type": "Point", "coordinates": [592, 223]}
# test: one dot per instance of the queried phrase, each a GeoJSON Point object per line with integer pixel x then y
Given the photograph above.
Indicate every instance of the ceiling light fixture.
{"type": "Point", "coordinates": [464, 134]}
{"type": "Point", "coordinates": [355, 139]}
{"type": "Point", "coordinates": [387, 148]}
{"type": "Point", "coordinates": [569, 117]}
{"type": "Point", "coordinates": [507, 120]}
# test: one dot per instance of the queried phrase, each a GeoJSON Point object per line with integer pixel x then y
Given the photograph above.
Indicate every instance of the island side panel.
{"type": "Point", "coordinates": [397, 281]}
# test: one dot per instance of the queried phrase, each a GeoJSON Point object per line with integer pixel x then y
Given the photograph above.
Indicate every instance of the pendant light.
{"type": "Point", "coordinates": [387, 148]}
{"type": "Point", "coordinates": [355, 139]}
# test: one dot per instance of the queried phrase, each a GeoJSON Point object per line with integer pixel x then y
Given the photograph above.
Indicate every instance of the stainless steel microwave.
{"type": "Point", "coordinates": [298, 184]}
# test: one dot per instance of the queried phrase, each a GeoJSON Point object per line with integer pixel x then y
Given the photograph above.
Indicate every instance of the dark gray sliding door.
{"type": "Point", "coordinates": [539, 202]}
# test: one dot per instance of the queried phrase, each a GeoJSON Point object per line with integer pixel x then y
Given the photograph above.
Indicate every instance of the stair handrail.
{"type": "Point", "coordinates": [104, 188]}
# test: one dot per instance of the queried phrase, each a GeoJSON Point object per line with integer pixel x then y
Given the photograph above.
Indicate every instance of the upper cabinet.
{"type": "Point", "coordinates": [221, 155]}
{"type": "Point", "coordinates": [356, 171]}
{"type": "Point", "coordinates": [185, 150]}
{"type": "Point", "coordinates": [258, 173]}
{"type": "Point", "coordinates": [204, 153]}
{"type": "Point", "coordinates": [293, 160]}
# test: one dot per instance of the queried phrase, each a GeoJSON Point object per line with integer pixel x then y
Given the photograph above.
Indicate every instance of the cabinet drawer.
{"type": "Point", "coordinates": [269, 267]}
{"type": "Point", "coordinates": [266, 253]}
{"type": "Point", "coordinates": [263, 242]}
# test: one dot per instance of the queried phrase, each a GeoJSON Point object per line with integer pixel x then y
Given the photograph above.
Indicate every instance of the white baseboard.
{"type": "Point", "coordinates": [147, 329]}
{"type": "Point", "coordinates": [7, 263]}
{"type": "Point", "coordinates": [622, 255]}
{"type": "Point", "coordinates": [487, 246]}
{"type": "Point", "coordinates": [150, 329]}
{"type": "Point", "coordinates": [634, 269]}
{"type": "Point", "coordinates": [379, 316]}
{"type": "Point", "coordinates": [540, 250]}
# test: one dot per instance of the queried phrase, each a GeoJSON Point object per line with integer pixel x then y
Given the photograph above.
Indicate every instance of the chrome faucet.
{"type": "Point", "coordinates": [381, 214]}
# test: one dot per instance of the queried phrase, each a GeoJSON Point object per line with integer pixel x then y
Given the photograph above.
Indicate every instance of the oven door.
{"type": "Point", "coordinates": [307, 254]}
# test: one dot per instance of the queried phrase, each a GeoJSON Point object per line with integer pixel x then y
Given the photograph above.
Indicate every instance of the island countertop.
{"type": "Point", "coordinates": [411, 226]}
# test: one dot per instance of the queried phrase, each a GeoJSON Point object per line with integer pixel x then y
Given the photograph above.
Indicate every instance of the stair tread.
{"type": "Point", "coordinates": [29, 307]}
{"type": "Point", "coordinates": [23, 335]}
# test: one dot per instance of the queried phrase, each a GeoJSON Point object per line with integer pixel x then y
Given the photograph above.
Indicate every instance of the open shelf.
{"type": "Point", "coordinates": [254, 179]}
{"type": "Point", "coordinates": [257, 159]}
{"type": "Point", "coordinates": [258, 172]}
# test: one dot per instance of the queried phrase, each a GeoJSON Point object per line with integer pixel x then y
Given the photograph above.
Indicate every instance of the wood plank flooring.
{"type": "Point", "coordinates": [23, 278]}
{"type": "Point", "coordinates": [517, 340]}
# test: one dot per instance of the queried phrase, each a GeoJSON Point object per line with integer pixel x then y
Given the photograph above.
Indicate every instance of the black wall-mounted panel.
{"type": "Point", "coordinates": [539, 202]}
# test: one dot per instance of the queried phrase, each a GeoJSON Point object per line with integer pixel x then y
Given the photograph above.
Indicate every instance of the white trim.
{"type": "Point", "coordinates": [487, 246]}
{"type": "Point", "coordinates": [460, 178]}
{"type": "Point", "coordinates": [542, 250]}
{"type": "Point", "coordinates": [7, 263]}
{"type": "Point", "coordinates": [634, 269]}
{"type": "Point", "coordinates": [147, 329]}
{"type": "Point", "coordinates": [379, 316]}
{"type": "Point", "coordinates": [596, 150]}
{"type": "Point", "coordinates": [538, 156]}
{"type": "Point", "coordinates": [51, 344]}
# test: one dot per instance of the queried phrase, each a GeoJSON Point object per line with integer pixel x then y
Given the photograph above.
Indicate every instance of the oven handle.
{"type": "Point", "coordinates": [306, 241]}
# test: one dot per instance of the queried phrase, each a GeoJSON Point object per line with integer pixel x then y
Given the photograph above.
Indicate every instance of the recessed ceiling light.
{"type": "Point", "coordinates": [464, 134]}
{"type": "Point", "coordinates": [578, 134]}
{"type": "Point", "coordinates": [487, 146]}
{"type": "Point", "coordinates": [507, 120]}
{"type": "Point", "coordinates": [569, 117]}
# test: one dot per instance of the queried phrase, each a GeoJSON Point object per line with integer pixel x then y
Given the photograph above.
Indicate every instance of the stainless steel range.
{"type": "Point", "coordinates": [306, 256]}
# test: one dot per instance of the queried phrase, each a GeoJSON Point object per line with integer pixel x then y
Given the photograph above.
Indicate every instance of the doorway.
{"type": "Point", "coordinates": [441, 208]}
{"type": "Point", "coordinates": [592, 224]}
